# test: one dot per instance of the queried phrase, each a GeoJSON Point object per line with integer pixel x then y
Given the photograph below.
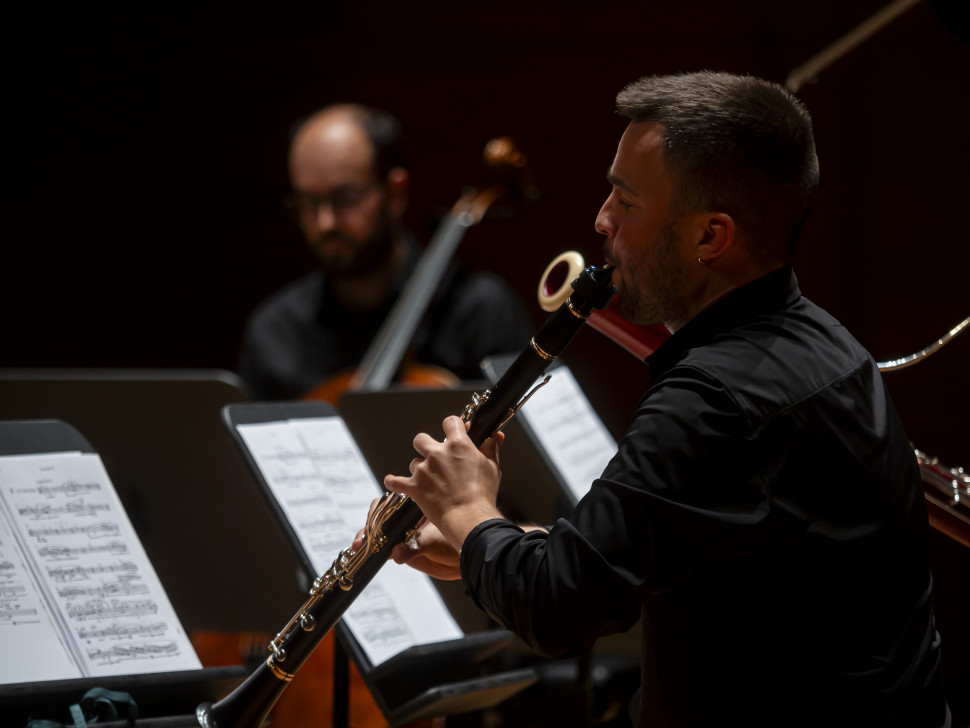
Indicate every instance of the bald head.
{"type": "Point", "coordinates": [331, 148]}
{"type": "Point", "coordinates": [380, 128]}
{"type": "Point", "coordinates": [349, 190]}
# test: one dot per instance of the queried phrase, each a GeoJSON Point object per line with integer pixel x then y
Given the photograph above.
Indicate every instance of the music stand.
{"type": "Point", "coordinates": [425, 680]}
{"type": "Point", "coordinates": [197, 509]}
{"type": "Point", "coordinates": [384, 424]}
{"type": "Point", "coordinates": [163, 699]}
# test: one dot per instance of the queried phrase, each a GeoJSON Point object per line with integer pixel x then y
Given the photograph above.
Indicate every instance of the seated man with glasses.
{"type": "Point", "coordinates": [350, 192]}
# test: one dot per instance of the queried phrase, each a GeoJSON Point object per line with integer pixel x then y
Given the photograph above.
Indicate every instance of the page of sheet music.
{"type": "Point", "coordinates": [324, 486]}
{"type": "Point", "coordinates": [572, 434]}
{"type": "Point", "coordinates": [90, 567]}
{"type": "Point", "coordinates": [32, 648]}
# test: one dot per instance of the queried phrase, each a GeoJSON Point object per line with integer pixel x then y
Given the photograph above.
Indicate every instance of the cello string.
{"type": "Point", "coordinates": [383, 357]}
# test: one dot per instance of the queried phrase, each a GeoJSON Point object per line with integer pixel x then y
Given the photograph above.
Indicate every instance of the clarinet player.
{"type": "Point", "coordinates": [763, 517]}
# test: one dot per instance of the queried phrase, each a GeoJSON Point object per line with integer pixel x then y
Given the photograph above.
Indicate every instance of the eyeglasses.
{"type": "Point", "coordinates": [341, 200]}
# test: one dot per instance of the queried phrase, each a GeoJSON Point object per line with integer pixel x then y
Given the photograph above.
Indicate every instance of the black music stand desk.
{"type": "Point", "coordinates": [165, 699]}
{"type": "Point", "coordinates": [195, 505]}
{"type": "Point", "coordinates": [425, 680]}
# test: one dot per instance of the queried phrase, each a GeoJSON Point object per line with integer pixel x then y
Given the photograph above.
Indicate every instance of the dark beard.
{"type": "Point", "coordinates": [366, 257]}
{"type": "Point", "coordinates": [665, 302]}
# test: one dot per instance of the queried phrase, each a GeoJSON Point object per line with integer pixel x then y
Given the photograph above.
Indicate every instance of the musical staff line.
{"type": "Point", "coordinates": [78, 595]}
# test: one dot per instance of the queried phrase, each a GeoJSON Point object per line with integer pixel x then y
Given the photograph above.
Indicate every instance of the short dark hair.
{"type": "Point", "coordinates": [735, 144]}
{"type": "Point", "coordinates": [382, 129]}
{"type": "Point", "coordinates": [384, 132]}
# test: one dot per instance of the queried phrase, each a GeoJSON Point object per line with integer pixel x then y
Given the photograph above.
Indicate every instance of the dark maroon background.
{"type": "Point", "coordinates": [144, 164]}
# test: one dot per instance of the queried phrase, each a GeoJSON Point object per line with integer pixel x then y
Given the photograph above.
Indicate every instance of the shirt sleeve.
{"type": "Point", "coordinates": [658, 511]}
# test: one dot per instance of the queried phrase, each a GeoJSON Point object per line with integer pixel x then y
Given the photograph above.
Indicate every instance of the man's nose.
{"type": "Point", "coordinates": [324, 217]}
{"type": "Point", "coordinates": [603, 223]}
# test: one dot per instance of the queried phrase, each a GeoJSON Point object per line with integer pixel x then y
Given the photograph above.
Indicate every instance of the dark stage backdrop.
{"type": "Point", "coordinates": [145, 147]}
{"type": "Point", "coordinates": [144, 163]}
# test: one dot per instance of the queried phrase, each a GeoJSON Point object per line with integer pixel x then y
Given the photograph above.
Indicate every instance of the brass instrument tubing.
{"type": "Point", "coordinates": [908, 361]}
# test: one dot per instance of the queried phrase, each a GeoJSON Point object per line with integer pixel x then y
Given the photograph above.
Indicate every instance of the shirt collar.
{"type": "Point", "coordinates": [763, 295]}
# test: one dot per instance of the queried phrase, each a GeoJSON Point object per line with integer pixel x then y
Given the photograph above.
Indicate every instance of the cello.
{"type": "Point", "coordinates": [383, 357]}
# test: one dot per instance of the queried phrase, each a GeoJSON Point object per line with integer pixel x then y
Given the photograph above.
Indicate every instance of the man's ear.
{"type": "Point", "coordinates": [715, 235]}
{"type": "Point", "coordinates": [398, 187]}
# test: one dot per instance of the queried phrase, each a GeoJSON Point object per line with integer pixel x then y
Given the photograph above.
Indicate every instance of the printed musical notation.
{"type": "Point", "coordinates": [94, 530]}
{"type": "Point", "coordinates": [64, 553]}
{"type": "Point", "coordinates": [12, 599]}
{"type": "Point", "coordinates": [46, 511]}
{"type": "Point", "coordinates": [122, 586]}
{"type": "Point", "coordinates": [122, 653]}
{"type": "Point", "coordinates": [78, 595]}
{"type": "Point", "coordinates": [122, 631]}
{"type": "Point", "coordinates": [572, 435]}
{"type": "Point", "coordinates": [324, 486]}
{"type": "Point", "coordinates": [83, 573]}
{"type": "Point", "coordinates": [112, 609]}
{"type": "Point", "coordinates": [70, 488]}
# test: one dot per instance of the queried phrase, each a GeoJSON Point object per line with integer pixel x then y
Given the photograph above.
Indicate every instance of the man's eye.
{"type": "Point", "coordinates": [346, 198]}
{"type": "Point", "coordinates": [619, 198]}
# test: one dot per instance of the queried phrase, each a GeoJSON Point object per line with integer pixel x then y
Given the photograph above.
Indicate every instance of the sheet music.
{"type": "Point", "coordinates": [80, 574]}
{"type": "Point", "coordinates": [324, 487]}
{"type": "Point", "coordinates": [26, 627]}
{"type": "Point", "coordinates": [573, 436]}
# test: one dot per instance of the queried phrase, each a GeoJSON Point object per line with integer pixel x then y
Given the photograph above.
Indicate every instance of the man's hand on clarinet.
{"type": "Point", "coordinates": [455, 484]}
{"type": "Point", "coordinates": [428, 551]}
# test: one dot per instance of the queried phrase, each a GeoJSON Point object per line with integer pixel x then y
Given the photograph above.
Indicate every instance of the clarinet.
{"type": "Point", "coordinates": [395, 518]}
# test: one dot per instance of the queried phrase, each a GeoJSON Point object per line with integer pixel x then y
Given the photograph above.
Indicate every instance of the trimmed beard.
{"type": "Point", "coordinates": [660, 295]}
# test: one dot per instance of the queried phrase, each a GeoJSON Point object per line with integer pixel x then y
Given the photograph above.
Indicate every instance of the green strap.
{"type": "Point", "coordinates": [102, 704]}
{"type": "Point", "coordinates": [77, 716]}
{"type": "Point", "coordinates": [97, 704]}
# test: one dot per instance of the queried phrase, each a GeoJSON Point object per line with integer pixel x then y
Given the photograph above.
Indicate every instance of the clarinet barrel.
{"type": "Point", "coordinates": [396, 516]}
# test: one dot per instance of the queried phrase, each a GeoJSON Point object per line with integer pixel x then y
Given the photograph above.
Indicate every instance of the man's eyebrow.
{"type": "Point", "coordinates": [617, 182]}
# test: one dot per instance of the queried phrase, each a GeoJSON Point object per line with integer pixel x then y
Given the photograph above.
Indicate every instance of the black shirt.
{"type": "Point", "coordinates": [300, 337]}
{"type": "Point", "coordinates": [763, 517]}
